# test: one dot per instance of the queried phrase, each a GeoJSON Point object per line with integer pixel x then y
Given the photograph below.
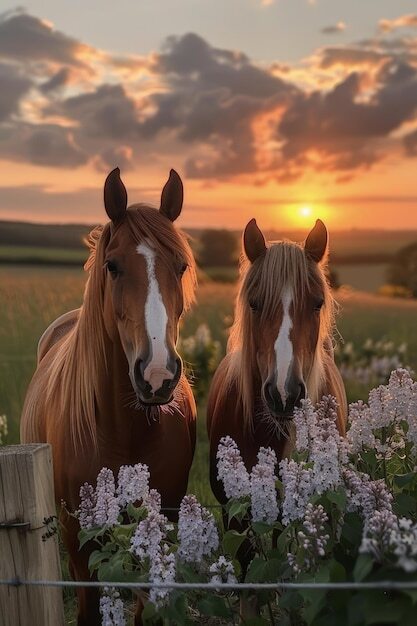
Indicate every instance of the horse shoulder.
{"type": "Point", "coordinates": [56, 331]}
{"type": "Point", "coordinates": [217, 396]}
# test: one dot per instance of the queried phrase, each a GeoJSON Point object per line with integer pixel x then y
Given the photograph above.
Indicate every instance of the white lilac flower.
{"type": "Point", "coordinates": [222, 571]}
{"type": "Point", "coordinates": [403, 542]}
{"type": "Point", "coordinates": [162, 570]}
{"type": "Point", "coordinates": [149, 535]}
{"type": "Point", "coordinates": [305, 422]}
{"type": "Point", "coordinates": [378, 530]}
{"type": "Point", "coordinates": [111, 608]}
{"type": "Point", "coordinates": [85, 513]}
{"type": "Point", "coordinates": [153, 500]}
{"type": "Point", "coordinates": [106, 510]}
{"type": "Point", "coordinates": [298, 485]}
{"type": "Point", "coordinates": [313, 539]}
{"type": "Point", "coordinates": [360, 433]}
{"type": "Point", "coordinates": [197, 532]}
{"type": "Point", "coordinates": [262, 484]}
{"type": "Point", "coordinates": [325, 448]}
{"type": "Point", "coordinates": [231, 469]}
{"type": "Point", "coordinates": [132, 484]}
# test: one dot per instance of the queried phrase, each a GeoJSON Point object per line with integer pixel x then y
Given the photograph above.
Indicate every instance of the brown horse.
{"type": "Point", "coordinates": [105, 370]}
{"type": "Point", "coordinates": [280, 348]}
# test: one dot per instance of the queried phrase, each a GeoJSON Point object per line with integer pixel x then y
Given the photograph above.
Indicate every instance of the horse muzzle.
{"type": "Point", "coordinates": [283, 408]}
{"type": "Point", "coordinates": [157, 385]}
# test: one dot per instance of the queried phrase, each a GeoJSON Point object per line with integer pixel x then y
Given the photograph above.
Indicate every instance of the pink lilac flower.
{"type": "Point", "coordinates": [326, 449]}
{"type": "Point", "coordinates": [262, 484]}
{"type": "Point", "coordinates": [132, 484]}
{"type": "Point", "coordinates": [313, 539]}
{"type": "Point", "coordinates": [153, 501]}
{"type": "Point", "coordinates": [149, 535]}
{"type": "Point", "coordinates": [377, 533]}
{"type": "Point", "coordinates": [231, 469]}
{"type": "Point", "coordinates": [197, 532]}
{"type": "Point", "coordinates": [106, 509]}
{"type": "Point", "coordinates": [403, 542]}
{"type": "Point", "coordinates": [298, 484]}
{"type": "Point", "coordinates": [85, 513]}
{"type": "Point", "coordinates": [162, 570]}
{"type": "Point", "coordinates": [305, 419]}
{"type": "Point", "coordinates": [111, 608]}
{"type": "Point", "coordinates": [222, 571]}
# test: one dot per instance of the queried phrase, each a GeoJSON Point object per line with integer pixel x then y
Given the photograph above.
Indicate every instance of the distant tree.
{"type": "Point", "coordinates": [403, 270]}
{"type": "Point", "coordinates": [218, 248]}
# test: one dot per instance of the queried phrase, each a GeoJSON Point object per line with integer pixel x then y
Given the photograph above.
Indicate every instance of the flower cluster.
{"type": "Point", "coordinates": [101, 506]}
{"type": "Point", "coordinates": [111, 608]}
{"type": "Point", "coordinates": [372, 363]}
{"type": "Point", "coordinates": [162, 570]}
{"type": "Point", "coordinates": [197, 531]}
{"type": "Point", "coordinates": [231, 470]}
{"type": "Point", "coordinates": [262, 488]}
{"type": "Point", "coordinates": [222, 571]}
{"type": "Point", "coordinates": [312, 540]}
{"type": "Point", "coordinates": [389, 420]}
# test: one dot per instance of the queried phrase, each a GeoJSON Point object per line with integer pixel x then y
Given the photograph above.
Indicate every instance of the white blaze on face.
{"type": "Point", "coordinates": [156, 323]}
{"type": "Point", "coordinates": [284, 350]}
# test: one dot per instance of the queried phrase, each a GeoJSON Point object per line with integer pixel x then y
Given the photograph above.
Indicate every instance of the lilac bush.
{"type": "Point", "coordinates": [340, 509]}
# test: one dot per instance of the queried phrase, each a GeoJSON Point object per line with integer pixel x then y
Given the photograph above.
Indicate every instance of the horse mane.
{"type": "Point", "coordinates": [284, 265]}
{"type": "Point", "coordinates": [78, 363]}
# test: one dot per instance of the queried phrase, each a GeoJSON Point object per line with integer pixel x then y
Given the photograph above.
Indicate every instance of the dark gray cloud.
{"type": "Point", "coordinates": [46, 144]}
{"type": "Point", "coordinates": [14, 85]}
{"type": "Point", "coordinates": [334, 29]}
{"type": "Point", "coordinates": [24, 37]}
{"type": "Point", "coordinates": [214, 96]}
{"type": "Point", "coordinates": [59, 79]}
{"type": "Point", "coordinates": [108, 111]}
{"type": "Point", "coordinates": [344, 128]}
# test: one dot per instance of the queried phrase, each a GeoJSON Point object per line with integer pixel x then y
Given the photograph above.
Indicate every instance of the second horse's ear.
{"type": "Point", "coordinates": [316, 243]}
{"type": "Point", "coordinates": [253, 241]}
{"type": "Point", "coordinates": [172, 197]}
{"type": "Point", "coordinates": [115, 196]}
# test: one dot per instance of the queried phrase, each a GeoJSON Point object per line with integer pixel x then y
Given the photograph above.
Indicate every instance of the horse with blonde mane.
{"type": "Point", "coordinates": [109, 388]}
{"type": "Point", "coordinates": [280, 350]}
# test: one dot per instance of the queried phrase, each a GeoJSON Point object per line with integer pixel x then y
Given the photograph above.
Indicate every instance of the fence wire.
{"type": "Point", "coordinates": [278, 586]}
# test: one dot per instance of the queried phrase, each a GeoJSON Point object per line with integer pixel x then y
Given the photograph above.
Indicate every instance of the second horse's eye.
{"type": "Point", "coordinates": [112, 268]}
{"type": "Point", "coordinates": [254, 305]}
{"type": "Point", "coordinates": [319, 305]}
{"type": "Point", "coordinates": [182, 269]}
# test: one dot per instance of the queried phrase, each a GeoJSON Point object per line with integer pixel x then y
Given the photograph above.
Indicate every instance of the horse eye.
{"type": "Point", "coordinates": [254, 305]}
{"type": "Point", "coordinates": [112, 268]}
{"type": "Point", "coordinates": [319, 305]}
{"type": "Point", "coordinates": [182, 269]}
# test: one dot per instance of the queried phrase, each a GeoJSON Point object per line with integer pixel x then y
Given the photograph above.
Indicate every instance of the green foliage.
{"type": "Point", "coordinates": [403, 269]}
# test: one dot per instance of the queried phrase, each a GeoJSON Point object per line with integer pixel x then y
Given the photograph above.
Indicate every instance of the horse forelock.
{"type": "Point", "coordinates": [284, 269]}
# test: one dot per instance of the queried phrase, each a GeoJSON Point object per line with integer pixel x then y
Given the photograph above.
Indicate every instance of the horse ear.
{"type": "Point", "coordinates": [253, 241]}
{"type": "Point", "coordinates": [172, 197]}
{"type": "Point", "coordinates": [115, 196]}
{"type": "Point", "coordinates": [316, 243]}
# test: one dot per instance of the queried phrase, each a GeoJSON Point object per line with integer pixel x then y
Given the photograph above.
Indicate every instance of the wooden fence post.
{"type": "Point", "coordinates": [27, 496]}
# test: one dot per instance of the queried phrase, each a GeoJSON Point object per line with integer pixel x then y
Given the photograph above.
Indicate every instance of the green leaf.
{"type": "Point", "coordinates": [215, 607]}
{"type": "Point", "coordinates": [363, 567]}
{"type": "Point", "coordinates": [338, 498]}
{"type": "Point", "coordinates": [403, 480]}
{"type": "Point", "coordinates": [404, 505]}
{"type": "Point", "coordinates": [238, 510]}
{"type": "Point", "coordinates": [232, 541]}
{"type": "Point", "coordinates": [84, 536]}
{"type": "Point", "coordinates": [261, 528]}
{"type": "Point", "coordinates": [256, 571]}
{"type": "Point", "coordinates": [95, 559]}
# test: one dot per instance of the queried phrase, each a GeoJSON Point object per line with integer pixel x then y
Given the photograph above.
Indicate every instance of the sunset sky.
{"type": "Point", "coordinates": [283, 110]}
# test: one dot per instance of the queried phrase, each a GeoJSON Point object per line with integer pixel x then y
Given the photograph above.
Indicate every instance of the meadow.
{"type": "Point", "coordinates": [33, 296]}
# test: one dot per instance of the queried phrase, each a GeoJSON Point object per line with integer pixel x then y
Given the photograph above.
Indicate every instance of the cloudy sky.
{"type": "Point", "coordinates": [285, 110]}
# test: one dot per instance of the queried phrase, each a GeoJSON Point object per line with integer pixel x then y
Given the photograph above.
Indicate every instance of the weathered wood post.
{"type": "Point", "coordinates": [26, 499]}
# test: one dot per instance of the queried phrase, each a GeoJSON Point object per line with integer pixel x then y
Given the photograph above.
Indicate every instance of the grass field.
{"type": "Point", "coordinates": [32, 297]}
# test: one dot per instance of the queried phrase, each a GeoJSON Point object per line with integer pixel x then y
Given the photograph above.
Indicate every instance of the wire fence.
{"type": "Point", "coordinates": [278, 586]}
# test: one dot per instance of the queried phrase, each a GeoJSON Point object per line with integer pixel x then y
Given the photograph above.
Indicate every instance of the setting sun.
{"type": "Point", "coordinates": [305, 211]}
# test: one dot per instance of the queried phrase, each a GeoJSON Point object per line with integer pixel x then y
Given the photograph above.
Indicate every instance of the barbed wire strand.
{"type": "Point", "coordinates": [279, 586]}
